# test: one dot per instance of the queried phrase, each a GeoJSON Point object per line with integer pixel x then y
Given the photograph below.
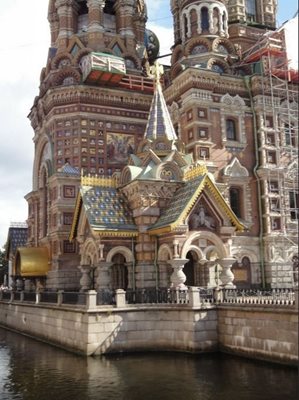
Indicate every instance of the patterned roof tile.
{"type": "Point", "coordinates": [106, 209]}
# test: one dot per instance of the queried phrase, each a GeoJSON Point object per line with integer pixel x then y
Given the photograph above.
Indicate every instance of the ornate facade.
{"type": "Point", "coordinates": [191, 184]}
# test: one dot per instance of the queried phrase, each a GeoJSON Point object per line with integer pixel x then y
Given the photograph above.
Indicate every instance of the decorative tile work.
{"type": "Point", "coordinates": [17, 237]}
{"type": "Point", "coordinates": [179, 202]}
{"type": "Point", "coordinates": [106, 210]}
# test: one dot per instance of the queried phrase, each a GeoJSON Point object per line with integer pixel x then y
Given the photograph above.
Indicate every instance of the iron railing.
{"type": "Point", "coordinates": [198, 297]}
{"type": "Point", "coordinates": [263, 297]}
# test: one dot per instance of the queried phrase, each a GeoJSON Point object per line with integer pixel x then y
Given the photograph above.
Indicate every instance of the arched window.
{"type": "Point", "coordinates": [231, 129]}
{"type": "Point", "coordinates": [235, 197]}
{"type": "Point", "coordinates": [185, 26]}
{"type": "Point", "coordinates": [119, 272]}
{"type": "Point", "coordinates": [189, 270]}
{"type": "Point", "coordinates": [205, 24]}
{"type": "Point", "coordinates": [251, 9]}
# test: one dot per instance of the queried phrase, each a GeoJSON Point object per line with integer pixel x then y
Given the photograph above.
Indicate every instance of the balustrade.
{"type": "Point", "coordinates": [194, 297]}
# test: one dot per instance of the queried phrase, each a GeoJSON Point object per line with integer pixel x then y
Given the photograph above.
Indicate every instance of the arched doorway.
{"type": "Point", "coordinates": [119, 272]}
{"type": "Point", "coordinates": [189, 269]}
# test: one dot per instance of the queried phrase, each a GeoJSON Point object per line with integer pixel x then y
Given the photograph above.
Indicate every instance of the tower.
{"type": "Point", "coordinates": [228, 87]}
{"type": "Point", "coordinates": [248, 20]}
{"type": "Point", "coordinates": [90, 113]}
{"type": "Point", "coordinates": [200, 33]}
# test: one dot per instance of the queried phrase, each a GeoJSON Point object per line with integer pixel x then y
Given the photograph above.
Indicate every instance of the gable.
{"type": "Point", "coordinates": [185, 202]}
{"type": "Point", "coordinates": [106, 210]}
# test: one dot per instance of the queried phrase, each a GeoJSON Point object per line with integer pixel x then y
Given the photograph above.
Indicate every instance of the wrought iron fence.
{"type": "Point", "coordinates": [74, 298]}
{"type": "Point", "coordinates": [105, 297]}
{"type": "Point", "coordinates": [271, 296]}
{"type": "Point", "coordinates": [29, 296]}
{"type": "Point", "coordinates": [206, 296]}
{"type": "Point", "coordinates": [6, 295]}
{"type": "Point", "coordinates": [17, 296]}
{"type": "Point", "coordinates": [49, 297]}
{"type": "Point", "coordinates": [157, 296]}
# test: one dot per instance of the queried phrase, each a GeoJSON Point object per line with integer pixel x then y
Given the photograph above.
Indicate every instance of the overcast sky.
{"type": "Point", "coordinates": [25, 36]}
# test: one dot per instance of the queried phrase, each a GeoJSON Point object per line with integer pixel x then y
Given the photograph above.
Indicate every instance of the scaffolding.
{"type": "Point", "coordinates": [274, 90]}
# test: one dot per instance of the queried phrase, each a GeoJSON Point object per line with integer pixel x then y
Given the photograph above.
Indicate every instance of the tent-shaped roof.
{"type": "Point", "coordinates": [17, 237]}
{"type": "Point", "coordinates": [159, 123]}
{"type": "Point", "coordinates": [183, 201]}
{"type": "Point", "coordinates": [106, 209]}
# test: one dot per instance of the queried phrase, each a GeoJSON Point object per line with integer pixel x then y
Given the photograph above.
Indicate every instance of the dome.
{"type": "Point", "coordinates": [152, 44]}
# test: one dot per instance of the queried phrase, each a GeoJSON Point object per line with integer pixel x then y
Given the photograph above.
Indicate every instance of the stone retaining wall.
{"type": "Point", "coordinates": [256, 331]}
{"type": "Point", "coordinates": [259, 332]}
{"type": "Point", "coordinates": [114, 330]}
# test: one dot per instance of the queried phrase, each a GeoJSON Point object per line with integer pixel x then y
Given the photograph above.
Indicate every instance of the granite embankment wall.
{"type": "Point", "coordinates": [268, 333]}
{"type": "Point", "coordinates": [114, 330]}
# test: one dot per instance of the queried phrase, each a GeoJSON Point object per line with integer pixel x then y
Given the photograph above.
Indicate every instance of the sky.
{"type": "Point", "coordinates": [25, 36]}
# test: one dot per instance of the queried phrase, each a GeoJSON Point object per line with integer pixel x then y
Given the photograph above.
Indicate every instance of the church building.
{"type": "Point", "coordinates": [148, 178]}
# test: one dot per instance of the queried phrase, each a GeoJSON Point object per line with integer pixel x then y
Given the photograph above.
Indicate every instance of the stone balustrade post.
{"type": "Point", "coordinates": [226, 276]}
{"type": "Point", "coordinates": [22, 295]}
{"type": "Point", "coordinates": [120, 297]}
{"type": "Point", "coordinates": [91, 299]}
{"type": "Point", "coordinates": [85, 280]}
{"type": "Point", "coordinates": [12, 296]}
{"type": "Point", "coordinates": [218, 295]}
{"type": "Point", "coordinates": [194, 297]}
{"type": "Point", "coordinates": [59, 297]}
{"type": "Point", "coordinates": [178, 278]}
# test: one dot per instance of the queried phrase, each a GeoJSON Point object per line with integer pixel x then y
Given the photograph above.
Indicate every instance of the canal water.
{"type": "Point", "coordinates": [31, 370]}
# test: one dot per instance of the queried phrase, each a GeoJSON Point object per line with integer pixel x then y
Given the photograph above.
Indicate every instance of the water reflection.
{"type": "Point", "coordinates": [31, 370]}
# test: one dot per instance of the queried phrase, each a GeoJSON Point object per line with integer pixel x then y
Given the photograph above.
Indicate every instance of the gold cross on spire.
{"type": "Point", "coordinates": [156, 71]}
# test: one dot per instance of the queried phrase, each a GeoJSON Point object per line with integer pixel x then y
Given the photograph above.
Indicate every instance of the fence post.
{"type": "Point", "coordinates": [296, 290]}
{"type": "Point", "coordinates": [218, 295]}
{"type": "Point", "coordinates": [91, 299]}
{"type": "Point", "coordinates": [37, 297]}
{"type": "Point", "coordinates": [12, 296]}
{"type": "Point", "coordinates": [22, 296]}
{"type": "Point", "coordinates": [59, 297]}
{"type": "Point", "coordinates": [1, 294]}
{"type": "Point", "coordinates": [120, 296]}
{"type": "Point", "coordinates": [194, 297]}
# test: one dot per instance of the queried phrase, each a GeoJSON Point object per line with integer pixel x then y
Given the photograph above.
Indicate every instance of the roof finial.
{"type": "Point", "coordinates": [156, 71]}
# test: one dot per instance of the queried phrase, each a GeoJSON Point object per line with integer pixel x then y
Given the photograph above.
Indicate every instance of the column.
{"type": "Point", "coordinates": [206, 265]}
{"type": "Point", "coordinates": [85, 280]}
{"type": "Point", "coordinates": [95, 15]}
{"type": "Point", "coordinates": [211, 21]}
{"type": "Point", "coordinates": [178, 278]}
{"type": "Point", "coordinates": [103, 275]}
{"type": "Point", "coordinates": [199, 30]}
{"type": "Point", "coordinates": [226, 276]}
{"type": "Point", "coordinates": [64, 12]}
{"type": "Point", "coordinates": [125, 13]}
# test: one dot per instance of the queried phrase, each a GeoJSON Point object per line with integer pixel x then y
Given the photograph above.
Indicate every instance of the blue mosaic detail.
{"type": "Point", "coordinates": [106, 209]}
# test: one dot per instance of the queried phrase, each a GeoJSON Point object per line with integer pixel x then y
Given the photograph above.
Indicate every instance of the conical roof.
{"type": "Point", "coordinates": [159, 123]}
